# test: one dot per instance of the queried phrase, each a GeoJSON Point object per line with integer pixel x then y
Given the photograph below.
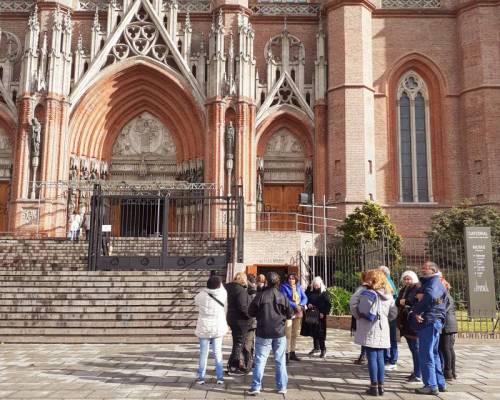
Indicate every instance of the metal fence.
{"type": "Point", "coordinates": [152, 226]}
{"type": "Point", "coordinates": [341, 267]}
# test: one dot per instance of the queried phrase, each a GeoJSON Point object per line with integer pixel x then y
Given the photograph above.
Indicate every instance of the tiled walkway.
{"type": "Point", "coordinates": [168, 372]}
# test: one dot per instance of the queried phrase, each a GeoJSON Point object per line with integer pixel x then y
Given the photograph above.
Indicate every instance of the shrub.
{"type": "Point", "coordinates": [370, 229]}
{"type": "Point", "coordinates": [339, 298]}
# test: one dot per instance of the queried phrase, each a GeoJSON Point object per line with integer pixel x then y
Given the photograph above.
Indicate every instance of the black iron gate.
{"type": "Point", "coordinates": [169, 226]}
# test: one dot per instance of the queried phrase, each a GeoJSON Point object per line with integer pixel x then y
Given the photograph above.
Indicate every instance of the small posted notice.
{"type": "Point", "coordinates": [480, 272]}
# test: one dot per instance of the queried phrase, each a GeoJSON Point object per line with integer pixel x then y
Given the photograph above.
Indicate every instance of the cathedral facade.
{"type": "Point", "coordinates": [395, 101]}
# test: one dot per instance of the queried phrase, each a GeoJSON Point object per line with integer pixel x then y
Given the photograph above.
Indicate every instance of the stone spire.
{"type": "Point", "coordinates": [320, 64]}
{"type": "Point", "coordinates": [216, 58]}
{"type": "Point", "coordinates": [30, 58]}
{"type": "Point", "coordinates": [245, 62]}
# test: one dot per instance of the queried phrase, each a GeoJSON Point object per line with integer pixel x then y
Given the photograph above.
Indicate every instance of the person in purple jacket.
{"type": "Point", "coordinates": [298, 300]}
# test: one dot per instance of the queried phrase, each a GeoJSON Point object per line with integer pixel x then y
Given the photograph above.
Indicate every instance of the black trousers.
{"type": "Point", "coordinates": [319, 343]}
{"type": "Point", "coordinates": [447, 353]}
{"type": "Point", "coordinates": [239, 333]}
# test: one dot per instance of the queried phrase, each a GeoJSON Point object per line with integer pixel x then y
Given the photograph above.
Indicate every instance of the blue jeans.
{"type": "Point", "coordinates": [262, 349]}
{"type": "Point", "coordinates": [376, 364]}
{"type": "Point", "coordinates": [413, 346]}
{"type": "Point", "coordinates": [391, 356]}
{"type": "Point", "coordinates": [216, 344]}
{"type": "Point", "coordinates": [432, 372]}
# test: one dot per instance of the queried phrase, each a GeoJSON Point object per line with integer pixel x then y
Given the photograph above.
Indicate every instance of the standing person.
{"type": "Point", "coordinates": [272, 310]}
{"type": "Point", "coordinates": [298, 300]}
{"type": "Point", "coordinates": [317, 300]}
{"type": "Point", "coordinates": [362, 355]}
{"type": "Point", "coordinates": [247, 353]}
{"type": "Point", "coordinates": [391, 356]}
{"type": "Point", "coordinates": [405, 301]}
{"type": "Point", "coordinates": [75, 222]}
{"type": "Point", "coordinates": [238, 320]}
{"type": "Point", "coordinates": [447, 338]}
{"type": "Point", "coordinates": [211, 326]}
{"type": "Point", "coordinates": [427, 318]}
{"type": "Point", "coordinates": [261, 282]}
{"type": "Point", "coordinates": [373, 308]}
{"type": "Point", "coordinates": [86, 225]}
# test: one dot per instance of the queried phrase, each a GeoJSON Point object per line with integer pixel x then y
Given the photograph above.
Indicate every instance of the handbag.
{"type": "Point", "coordinates": [311, 316]}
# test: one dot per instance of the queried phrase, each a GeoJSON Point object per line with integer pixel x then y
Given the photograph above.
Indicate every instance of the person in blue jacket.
{"type": "Point", "coordinates": [427, 317]}
{"type": "Point", "coordinates": [298, 300]}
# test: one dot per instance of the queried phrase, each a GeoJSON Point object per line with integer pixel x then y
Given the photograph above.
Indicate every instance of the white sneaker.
{"type": "Point", "coordinates": [253, 392]}
{"type": "Point", "coordinates": [220, 381]}
{"type": "Point", "coordinates": [391, 367]}
{"type": "Point", "coordinates": [200, 381]}
{"type": "Point", "coordinates": [282, 391]}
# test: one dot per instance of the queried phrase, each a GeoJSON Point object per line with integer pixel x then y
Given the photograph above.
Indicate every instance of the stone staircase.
{"type": "Point", "coordinates": [47, 295]}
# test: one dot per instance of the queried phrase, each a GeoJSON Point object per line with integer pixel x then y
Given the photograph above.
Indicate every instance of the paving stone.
{"type": "Point", "coordinates": [129, 371]}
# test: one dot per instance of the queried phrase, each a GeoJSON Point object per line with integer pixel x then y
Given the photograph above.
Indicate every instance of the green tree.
{"type": "Point", "coordinates": [446, 243]}
{"type": "Point", "coordinates": [370, 228]}
{"type": "Point", "coordinates": [449, 225]}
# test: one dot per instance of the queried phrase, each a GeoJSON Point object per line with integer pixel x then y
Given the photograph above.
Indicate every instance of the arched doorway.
{"type": "Point", "coordinates": [284, 173]}
{"type": "Point", "coordinates": [5, 177]}
{"type": "Point", "coordinates": [143, 151]}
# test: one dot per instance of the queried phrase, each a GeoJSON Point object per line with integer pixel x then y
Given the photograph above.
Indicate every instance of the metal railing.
{"type": "Point", "coordinates": [290, 221]}
{"type": "Point", "coordinates": [342, 267]}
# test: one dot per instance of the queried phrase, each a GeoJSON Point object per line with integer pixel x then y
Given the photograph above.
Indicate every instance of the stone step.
{"type": "Point", "coordinates": [86, 331]}
{"type": "Point", "coordinates": [169, 272]}
{"type": "Point", "coordinates": [99, 324]}
{"type": "Point", "coordinates": [87, 303]}
{"type": "Point", "coordinates": [172, 336]}
{"type": "Point", "coordinates": [91, 283]}
{"type": "Point", "coordinates": [146, 296]}
{"type": "Point", "coordinates": [90, 277]}
{"type": "Point", "coordinates": [126, 316]}
{"type": "Point", "coordinates": [161, 291]}
{"type": "Point", "coordinates": [91, 309]}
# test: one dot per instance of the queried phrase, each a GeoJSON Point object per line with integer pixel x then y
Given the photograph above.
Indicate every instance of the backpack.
{"type": "Point", "coordinates": [369, 305]}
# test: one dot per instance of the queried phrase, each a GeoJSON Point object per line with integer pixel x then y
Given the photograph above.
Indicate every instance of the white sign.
{"type": "Point", "coordinates": [106, 228]}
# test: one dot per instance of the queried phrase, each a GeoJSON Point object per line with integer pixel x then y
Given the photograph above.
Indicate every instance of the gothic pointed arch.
{"type": "Point", "coordinates": [284, 164]}
{"type": "Point", "coordinates": [434, 86]}
{"type": "Point", "coordinates": [123, 93]}
{"type": "Point", "coordinates": [139, 34]}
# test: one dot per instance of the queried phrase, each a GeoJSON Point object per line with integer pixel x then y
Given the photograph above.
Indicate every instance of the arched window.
{"type": "Point", "coordinates": [414, 144]}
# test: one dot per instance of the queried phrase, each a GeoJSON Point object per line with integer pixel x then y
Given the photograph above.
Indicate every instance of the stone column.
{"type": "Point", "coordinates": [478, 25]}
{"type": "Point", "coordinates": [350, 99]}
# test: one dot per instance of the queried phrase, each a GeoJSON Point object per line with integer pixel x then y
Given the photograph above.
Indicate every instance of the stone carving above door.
{"type": "Point", "coordinates": [144, 137]}
{"type": "Point", "coordinates": [144, 150]}
{"type": "Point", "coordinates": [284, 159]}
{"type": "Point", "coordinates": [284, 144]}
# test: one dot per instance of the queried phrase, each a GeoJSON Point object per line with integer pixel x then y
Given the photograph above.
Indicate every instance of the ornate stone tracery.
{"type": "Point", "coordinates": [142, 38]}
{"type": "Point", "coordinates": [411, 3]}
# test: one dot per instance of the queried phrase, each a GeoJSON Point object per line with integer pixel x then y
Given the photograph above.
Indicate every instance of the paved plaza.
{"type": "Point", "coordinates": [168, 372]}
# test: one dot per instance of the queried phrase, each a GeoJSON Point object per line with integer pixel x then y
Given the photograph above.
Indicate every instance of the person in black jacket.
{"type": "Point", "coordinates": [271, 309]}
{"type": "Point", "coordinates": [405, 301]}
{"type": "Point", "coordinates": [319, 301]}
{"type": "Point", "coordinates": [247, 352]}
{"type": "Point", "coordinates": [447, 338]}
{"type": "Point", "coordinates": [238, 320]}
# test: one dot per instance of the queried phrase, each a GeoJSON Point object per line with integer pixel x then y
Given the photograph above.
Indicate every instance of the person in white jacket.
{"type": "Point", "coordinates": [211, 326]}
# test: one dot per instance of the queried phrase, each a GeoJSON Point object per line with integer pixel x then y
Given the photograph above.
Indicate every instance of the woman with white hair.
{"type": "Point", "coordinates": [314, 322]}
{"type": "Point", "coordinates": [406, 299]}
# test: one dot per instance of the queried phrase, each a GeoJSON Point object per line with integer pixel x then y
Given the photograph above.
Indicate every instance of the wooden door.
{"type": "Point", "coordinates": [281, 201]}
{"type": "Point", "coordinates": [4, 199]}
